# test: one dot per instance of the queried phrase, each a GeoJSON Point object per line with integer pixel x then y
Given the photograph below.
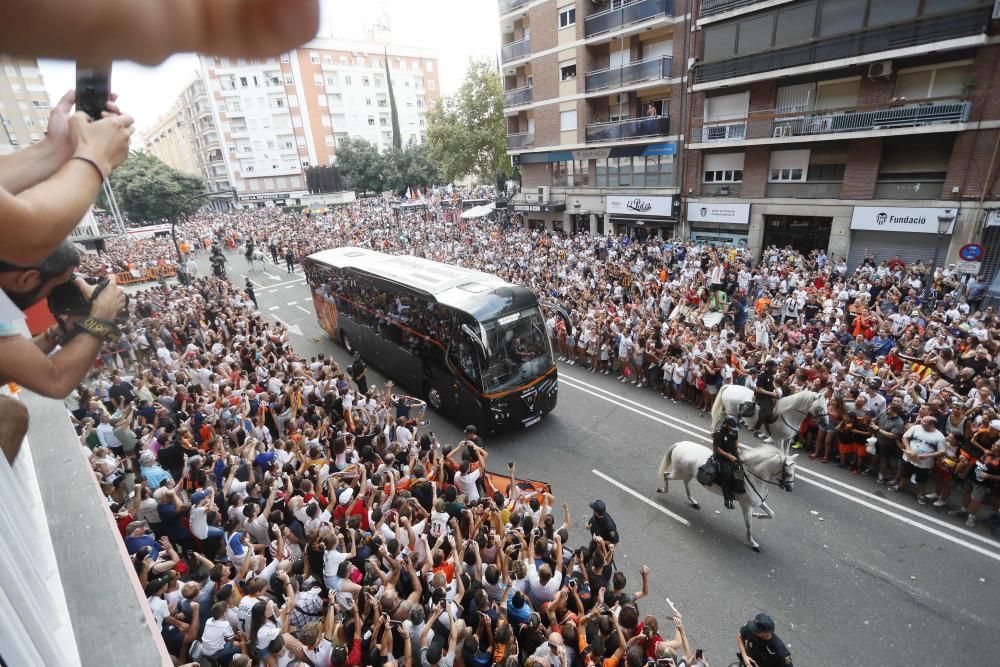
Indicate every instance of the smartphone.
{"type": "Point", "coordinates": [698, 654]}
{"type": "Point", "coordinates": [93, 88]}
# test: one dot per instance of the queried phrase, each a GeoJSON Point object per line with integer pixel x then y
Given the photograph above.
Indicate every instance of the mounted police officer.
{"type": "Point", "coordinates": [767, 399]}
{"type": "Point", "coordinates": [726, 449]}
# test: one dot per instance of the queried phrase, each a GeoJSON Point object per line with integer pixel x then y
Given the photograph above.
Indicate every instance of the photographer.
{"type": "Point", "coordinates": [29, 362]}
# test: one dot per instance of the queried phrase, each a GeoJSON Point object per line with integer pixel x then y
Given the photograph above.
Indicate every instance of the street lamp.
{"type": "Point", "coordinates": [182, 276]}
{"type": "Point", "coordinates": [945, 221]}
{"type": "Point", "coordinates": [576, 215]}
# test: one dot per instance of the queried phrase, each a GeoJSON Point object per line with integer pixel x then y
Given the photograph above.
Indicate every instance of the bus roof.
{"type": "Point", "coordinates": [480, 294]}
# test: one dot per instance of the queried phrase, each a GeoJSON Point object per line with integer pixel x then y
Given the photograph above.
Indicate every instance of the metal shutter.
{"type": "Point", "coordinates": [886, 245]}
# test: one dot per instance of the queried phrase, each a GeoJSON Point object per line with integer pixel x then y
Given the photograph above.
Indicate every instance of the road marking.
{"type": "Point", "coordinates": [290, 282]}
{"type": "Point", "coordinates": [804, 474]}
{"type": "Point", "coordinates": [292, 303]}
{"type": "Point", "coordinates": [641, 497]}
{"type": "Point", "coordinates": [801, 468]}
{"type": "Point", "coordinates": [271, 276]}
{"type": "Point", "coordinates": [304, 310]}
{"type": "Point", "coordinates": [289, 286]}
{"type": "Point", "coordinates": [274, 307]}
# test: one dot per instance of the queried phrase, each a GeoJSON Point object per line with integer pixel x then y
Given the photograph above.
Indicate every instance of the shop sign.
{"type": "Point", "coordinates": [735, 214]}
{"type": "Point", "coordinates": [261, 197]}
{"type": "Point", "coordinates": [640, 205]}
{"type": "Point", "coordinates": [592, 154]}
{"type": "Point", "coordinates": [540, 208]}
{"type": "Point", "coordinates": [902, 219]}
{"type": "Point", "coordinates": [968, 267]}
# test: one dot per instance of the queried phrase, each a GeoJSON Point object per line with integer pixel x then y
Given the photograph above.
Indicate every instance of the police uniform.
{"type": "Point", "coordinates": [766, 403]}
{"type": "Point", "coordinates": [766, 653]}
{"type": "Point", "coordinates": [725, 439]}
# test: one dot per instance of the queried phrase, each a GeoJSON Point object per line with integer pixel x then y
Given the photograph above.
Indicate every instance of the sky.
{"type": "Point", "coordinates": [457, 29]}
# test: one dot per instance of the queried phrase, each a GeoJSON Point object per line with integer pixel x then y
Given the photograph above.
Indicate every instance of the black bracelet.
{"type": "Point", "coordinates": [103, 329]}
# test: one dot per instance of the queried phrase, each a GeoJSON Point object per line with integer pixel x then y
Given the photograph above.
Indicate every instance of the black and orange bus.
{"type": "Point", "coordinates": [472, 344]}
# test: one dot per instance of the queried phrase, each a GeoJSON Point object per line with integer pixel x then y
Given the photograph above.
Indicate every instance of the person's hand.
{"type": "Point", "coordinates": [108, 303]}
{"type": "Point", "coordinates": [104, 141]}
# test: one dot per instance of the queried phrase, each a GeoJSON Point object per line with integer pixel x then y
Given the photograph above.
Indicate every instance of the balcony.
{"type": "Point", "coordinates": [515, 50]}
{"type": "Point", "coordinates": [633, 128]}
{"type": "Point", "coordinates": [520, 140]}
{"type": "Point", "coordinates": [637, 72]}
{"type": "Point", "coordinates": [507, 6]}
{"type": "Point", "coordinates": [777, 126]}
{"type": "Point", "coordinates": [517, 96]}
{"type": "Point", "coordinates": [710, 7]}
{"type": "Point", "coordinates": [633, 12]}
{"type": "Point", "coordinates": [915, 33]}
{"type": "Point", "coordinates": [68, 592]}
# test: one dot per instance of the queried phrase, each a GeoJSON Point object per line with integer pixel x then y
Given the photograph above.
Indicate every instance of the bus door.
{"type": "Point", "coordinates": [466, 358]}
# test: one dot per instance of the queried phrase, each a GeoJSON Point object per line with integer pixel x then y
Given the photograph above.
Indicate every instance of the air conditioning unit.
{"type": "Point", "coordinates": [543, 194]}
{"type": "Point", "coordinates": [880, 70]}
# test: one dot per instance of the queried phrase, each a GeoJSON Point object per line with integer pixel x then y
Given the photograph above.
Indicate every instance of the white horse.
{"type": "Point", "coordinates": [763, 466]}
{"type": "Point", "coordinates": [256, 256]}
{"type": "Point", "coordinates": [789, 413]}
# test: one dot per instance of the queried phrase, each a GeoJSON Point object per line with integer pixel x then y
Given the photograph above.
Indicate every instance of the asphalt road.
{"type": "Point", "coordinates": [850, 575]}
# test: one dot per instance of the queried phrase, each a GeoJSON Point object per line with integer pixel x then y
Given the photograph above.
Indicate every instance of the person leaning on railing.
{"type": "Point", "coordinates": [29, 361]}
{"type": "Point", "coordinates": [46, 188]}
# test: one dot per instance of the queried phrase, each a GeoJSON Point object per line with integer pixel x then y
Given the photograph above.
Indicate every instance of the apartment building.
{"type": "Point", "coordinates": [592, 97]}
{"type": "Point", "coordinates": [277, 116]}
{"type": "Point", "coordinates": [851, 126]}
{"type": "Point", "coordinates": [24, 104]}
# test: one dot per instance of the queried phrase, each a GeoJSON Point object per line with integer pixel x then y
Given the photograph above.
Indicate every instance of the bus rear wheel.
{"type": "Point", "coordinates": [346, 340]}
{"type": "Point", "coordinates": [433, 396]}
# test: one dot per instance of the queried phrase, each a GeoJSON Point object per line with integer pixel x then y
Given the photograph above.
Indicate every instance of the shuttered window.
{"type": "Point", "coordinates": [897, 11]}
{"type": "Point", "coordinates": [795, 99]}
{"type": "Point", "coordinates": [755, 34]}
{"type": "Point", "coordinates": [838, 95]}
{"type": "Point", "coordinates": [727, 107]}
{"type": "Point", "coordinates": [842, 16]}
{"type": "Point", "coordinates": [720, 41]}
{"type": "Point", "coordinates": [795, 24]}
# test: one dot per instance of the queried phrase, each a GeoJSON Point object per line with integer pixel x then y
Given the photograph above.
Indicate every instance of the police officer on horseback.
{"type": "Point", "coordinates": [767, 398]}
{"type": "Point", "coordinates": [726, 449]}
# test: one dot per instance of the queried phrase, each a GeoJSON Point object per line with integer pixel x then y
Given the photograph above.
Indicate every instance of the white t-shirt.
{"type": "Point", "coordinates": [213, 639]}
{"type": "Point", "coordinates": [160, 610]}
{"type": "Point", "coordinates": [439, 523]}
{"type": "Point", "coordinates": [537, 591]}
{"type": "Point", "coordinates": [923, 442]}
{"type": "Point", "coordinates": [331, 562]}
{"type": "Point", "coordinates": [199, 522]}
{"type": "Point", "coordinates": [467, 484]}
{"type": "Point", "coordinates": [266, 635]}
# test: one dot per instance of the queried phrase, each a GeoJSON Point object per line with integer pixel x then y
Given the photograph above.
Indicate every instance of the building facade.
{"type": "Point", "coordinates": [24, 104]}
{"type": "Point", "coordinates": [848, 126]}
{"type": "Point", "coordinates": [277, 116]}
{"type": "Point", "coordinates": [592, 94]}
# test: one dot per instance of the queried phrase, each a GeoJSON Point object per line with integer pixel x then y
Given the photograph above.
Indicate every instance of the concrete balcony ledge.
{"type": "Point", "coordinates": [70, 594]}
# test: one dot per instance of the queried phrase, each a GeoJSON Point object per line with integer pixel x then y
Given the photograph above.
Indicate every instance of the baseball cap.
{"type": "Point", "coordinates": [198, 496]}
{"type": "Point", "coordinates": [761, 623]}
{"type": "Point", "coordinates": [598, 506]}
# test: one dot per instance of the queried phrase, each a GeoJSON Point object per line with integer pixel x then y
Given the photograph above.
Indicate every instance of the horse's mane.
{"type": "Point", "coordinates": [760, 453]}
{"type": "Point", "coordinates": [798, 401]}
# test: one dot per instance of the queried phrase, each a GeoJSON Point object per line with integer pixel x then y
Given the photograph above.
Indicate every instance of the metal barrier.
{"type": "Point", "coordinates": [136, 276]}
{"type": "Point", "coordinates": [623, 15]}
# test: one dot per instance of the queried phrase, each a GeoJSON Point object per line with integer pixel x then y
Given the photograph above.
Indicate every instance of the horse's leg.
{"type": "Point", "coordinates": [768, 513]}
{"type": "Point", "coordinates": [666, 485]}
{"type": "Point", "coordinates": [745, 508]}
{"type": "Point", "coordinates": [687, 490]}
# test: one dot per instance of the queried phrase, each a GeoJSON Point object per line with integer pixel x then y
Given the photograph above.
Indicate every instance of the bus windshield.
{"type": "Point", "coordinates": [517, 349]}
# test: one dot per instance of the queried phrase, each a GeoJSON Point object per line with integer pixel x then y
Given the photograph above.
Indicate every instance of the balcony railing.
{"type": "Point", "coordinates": [915, 33]}
{"type": "Point", "coordinates": [709, 7]}
{"type": "Point", "coordinates": [511, 5]}
{"type": "Point", "coordinates": [627, 14]}
{"type": "Point", "coordinates": [632, 128]}
{"type": "Point", "coordinates": [520, 140]}
{"type": "Point", "coordinates": [637, 72]}
{"type": "Point", "coordinates": [515, 50]}
{"type": "Point", "coordinates": [835, 121]}
{"type": "Point", "coordinates": [517, 96]}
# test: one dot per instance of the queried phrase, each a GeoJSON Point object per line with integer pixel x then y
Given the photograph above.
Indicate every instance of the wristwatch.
{"type": "Point", "coordinates": [103, 329]}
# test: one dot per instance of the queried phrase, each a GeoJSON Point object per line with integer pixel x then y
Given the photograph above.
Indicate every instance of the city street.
{"type": "Point", "coordinates": [849, 571]}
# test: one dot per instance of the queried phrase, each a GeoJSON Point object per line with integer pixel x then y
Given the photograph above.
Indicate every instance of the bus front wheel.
{"type": "Point", "coordinates": [433, 397]}
{"type": "Point", "coordinates": [346, 340]}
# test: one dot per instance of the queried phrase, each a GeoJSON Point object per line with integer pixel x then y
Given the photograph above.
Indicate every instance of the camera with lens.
{"type": "Point", "coordinates": [66, 300]}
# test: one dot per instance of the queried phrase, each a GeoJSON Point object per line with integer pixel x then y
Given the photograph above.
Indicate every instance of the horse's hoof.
{"type": "Point", "coordinates": [659, 490]}
{"type": "Point", "coordinates": [756, 549]}
{"type": "Point", "coordinates": [696, 506]}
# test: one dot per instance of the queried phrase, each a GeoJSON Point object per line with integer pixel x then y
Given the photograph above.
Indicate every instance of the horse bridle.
{"type": "Point", "coordinates": [784, 482]}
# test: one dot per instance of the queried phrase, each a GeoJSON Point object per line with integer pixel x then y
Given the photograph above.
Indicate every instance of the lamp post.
{"type": "Point", "coordinates": [945, 221]}
{"type": "Point", "coordinates": [576, 215]}
{"type": "Point", "coordinates": [182, 276]}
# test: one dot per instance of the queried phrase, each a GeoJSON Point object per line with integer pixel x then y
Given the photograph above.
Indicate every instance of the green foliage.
{"type": "Point", "coordinates": [467, 133]}
{"type": "Point", "coordinates": [323, 178]}
{"type": "Point", "coordinates": [365, 169]}
{"type": "Point", "coordinates": [397, 139]}
{"type": "Point", "coordinates": [149, 190]}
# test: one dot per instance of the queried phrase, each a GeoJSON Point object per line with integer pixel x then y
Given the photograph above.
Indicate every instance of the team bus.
{"type": "Point", "coordinates": [472, 344]}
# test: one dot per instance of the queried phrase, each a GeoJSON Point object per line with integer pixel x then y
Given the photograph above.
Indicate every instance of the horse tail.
{"type": "Point", "coordinates": [718, 407]}
{"type": "Point", "coordinates": [666, 462]}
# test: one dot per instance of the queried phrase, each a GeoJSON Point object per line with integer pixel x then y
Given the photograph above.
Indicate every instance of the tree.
{"type": "Point", "coordinates": [361, 165]}
{"type": "Point", "coordinates": [397, 139]}
{"type": "Point", "coordinates": [148, 189]}
{"type": "Point", "coordinates": [410, 167]}
{"type": "Point", "coordinates": [467, 133]}
{"type": "Point", "coordinates": [323, 178]}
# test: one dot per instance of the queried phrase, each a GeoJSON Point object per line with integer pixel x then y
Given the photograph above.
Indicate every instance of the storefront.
{"type": "Point", "coordinates": [541, 216]}
{"type": "Point", "coordinates": [642, 216]}
{"type": "Point", "coordinates": [802, 232]}
{"type": "Point", "coordinates": [719, 224]}
{"type": "Point", "coordinates": [913, 234]}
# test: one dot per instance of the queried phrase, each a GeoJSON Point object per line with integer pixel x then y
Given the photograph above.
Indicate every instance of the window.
{"type": "Point", "coordinates": [321, 100]}
{"type": "Point", "coordinates": [948, 80]}
{"type": "Point", "coordinates": [789, 165]}
{"type": "Point", "coordinates": [365, 81]}
{"type": "Point", "coordinates": [371, 120]}
{"type": "Point", "coordinates": [329, 139]}
{"type": "Point", "coordinates": [560, 174]}
{"type": "Point", "coordinates": [567, 120]}
{"type": "Point", "coordinates": [429, 65]}
{"type": "Point", "coordinates": [284, 58]}
{"type": "Point", "coordinates": [347, 80]}
{"type": "Point", "coordinates": [243, 82]}
{"type": "Point", "coordinates": [383, 121]}
{"type": "Point", "coordinates": [430, 85]}
{"type": "Point", "coordinates": [318, 79]}
{"type": "Point", "coordinates": [314, 57]}
{"type": "Point", "coordinates": [826, 172]}
{"type": "Point", "coordinates": [343, 60]}
{"type": "Point", "coordinates": [567, 72]}
{"type": "Point", "coordinates": [567, 18]}
{"type": "Point", "coordinates": [324, 119]}
{"type": "Point", "coordinates": [840, 17]}
{"type": "Point", "coordinates": [327, 59]}
{"type": "Point", "coordinates": [723, 168]}
{"type": "Point", "coordinates": [359, 61]}
{"type": "Point", "coordinates": [755, 34]}
{"type": "Point", "coordinates": [289, 80]}
{"type": "Point", "coordinates": [368, 101]}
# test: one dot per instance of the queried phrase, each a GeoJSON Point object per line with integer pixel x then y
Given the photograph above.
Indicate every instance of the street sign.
{"type": "Point", "coordinates": [971, 252]}
{"type": "Point", "coordinates": [968, 267]}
